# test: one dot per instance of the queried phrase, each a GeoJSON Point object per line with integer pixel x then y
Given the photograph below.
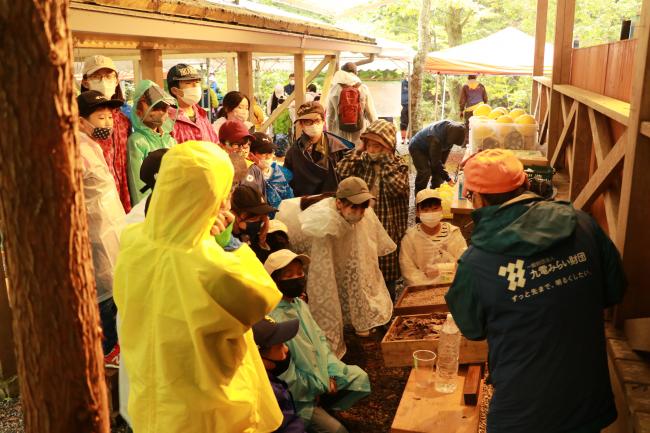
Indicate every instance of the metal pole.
{"type": "Point", "coordinates": [207, 65]}
{"type": "Point", "coordinates": [444, 95]}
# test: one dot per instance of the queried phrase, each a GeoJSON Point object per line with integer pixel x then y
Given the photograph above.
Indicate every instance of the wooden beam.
{"type": "Point", "coordinates": [280, 108]}
{"type": "Point", "coordinates": [581, 152]}
{"type": "Point", "coordinates": [599, 180]}
{"type": "Point", "coordinates": [543, 80]}
{"type": "Point", "coordinates": [561, 65]}
{"type": "Point", "coordinates": [633, 236]}
{"type": "Point", "coordinates": [610, 107]}
{"type": "Point", "coordinates": [231, 74]}
{"type": "Point", "coordinates": [645, 129]}
{"type": "Point", "coordinates": [540, 45]}
{"type": "Point", "coordinates": [559, 146]}
{"type": "Point", "coordinates": [327, 83]}
{"type": "Point", "coordinates": [601, 134]}
{"type": "Point", "coordinates": [152, 66]}
{"type": "Point", "coordinates": [299, 72]}
{"type": "Point", "coordinates": [245, 77]}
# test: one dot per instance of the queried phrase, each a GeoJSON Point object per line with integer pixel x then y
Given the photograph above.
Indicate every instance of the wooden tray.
{"type": "Point", "coordinates": [399, 353]}
{"type": "Point", "coordinates": [422, 300]}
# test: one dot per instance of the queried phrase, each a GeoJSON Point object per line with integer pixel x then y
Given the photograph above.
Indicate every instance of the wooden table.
{"type": "Point", "coordinates": [423, 410]}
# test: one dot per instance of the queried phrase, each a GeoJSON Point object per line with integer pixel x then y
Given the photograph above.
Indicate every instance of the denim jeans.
{"type": "Point", "coordinates": [323, 422]}
{"type": "Point", "coordinates": [107, 314]}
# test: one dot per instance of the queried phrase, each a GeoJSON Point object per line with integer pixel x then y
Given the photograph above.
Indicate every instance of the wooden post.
{"type": "Point", "coordinates": [327, 83]}
{"type": "Point", "coordinates": [581, 150]}
{"type": "Point", "coordinates": [299, 72]}
{"type": "Point", "coordinates": [245, 74]}
{"type": "Point", "coordinates": [152, 66]}
{"type": "Point", "coordinates": [137, 71]}
{"type": "Point", "coordinates": [540, 44]}
{"type": "Point", "coordinates": [633, 235]}
{"type": "Point", "coordinates": [51, 284]}
{"type": "Point", "coordinates": [231, 73]}
{"type": "Point", "coordinates": [561, 67]}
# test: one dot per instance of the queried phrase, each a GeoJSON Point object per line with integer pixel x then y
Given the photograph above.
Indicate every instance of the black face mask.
{"type": "Point", "coordinates": [280, 366]}
{"type": "Point", "coordinates": [293, 287]}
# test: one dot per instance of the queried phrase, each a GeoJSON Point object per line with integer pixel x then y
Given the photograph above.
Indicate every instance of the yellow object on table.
{"type": "Point", "coordinates": [423, 410]}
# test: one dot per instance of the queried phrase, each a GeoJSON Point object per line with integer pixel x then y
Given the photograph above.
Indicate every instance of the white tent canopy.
{"type": "Point", "coordinates": [506, 52]}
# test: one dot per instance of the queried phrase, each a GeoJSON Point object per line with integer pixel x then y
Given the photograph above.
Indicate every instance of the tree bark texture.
{"type": "Point", "coordinates": [456, 18]}
{"type": "Point", "coordinates": [51, 285]}
{"type": "Point", "coordinates": [424, 44]}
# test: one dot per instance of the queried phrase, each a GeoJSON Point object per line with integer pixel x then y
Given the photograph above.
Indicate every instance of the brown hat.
{"type": "Point", "coordinates": [355, 190]}
{"type": "Point", "coordinates": [310, 110]}
{"type": "Point", "coordinates": [382, 131]}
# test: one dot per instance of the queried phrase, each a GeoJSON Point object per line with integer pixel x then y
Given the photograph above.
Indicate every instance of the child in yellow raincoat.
{"type": "Point", "coordinates": [186, 308]}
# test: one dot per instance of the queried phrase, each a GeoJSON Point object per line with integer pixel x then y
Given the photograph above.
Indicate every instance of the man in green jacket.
{"type": "Point", "coordinates": [535, 282]}
{"type": "Point", "coordinates": [151, 131]}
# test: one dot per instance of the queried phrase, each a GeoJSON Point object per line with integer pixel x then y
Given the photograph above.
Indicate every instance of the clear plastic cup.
{"type": "Point", "coordinates": [423, 363]}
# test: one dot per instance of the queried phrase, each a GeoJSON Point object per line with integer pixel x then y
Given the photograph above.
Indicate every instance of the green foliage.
{"type": "Point", "coordinates": [283, 124]}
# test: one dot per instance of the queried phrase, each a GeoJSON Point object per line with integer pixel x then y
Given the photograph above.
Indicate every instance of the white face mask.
{"type": "Point", "coordinates": [105, 87]}
{"type": "Point", "coordinates": [431, 219]}
{"type": "Point", "coordinates": [191, 95]}
{"type": "Point", "coordinates": [353, 218]}
{"type": "Point", "coordinates": [240, 114]}
{"type": "Point", "coordinates": [314, 130]}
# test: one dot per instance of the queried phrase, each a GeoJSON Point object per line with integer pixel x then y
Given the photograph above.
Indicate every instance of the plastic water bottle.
{"type": "Point", "coordinates": [448, 349]}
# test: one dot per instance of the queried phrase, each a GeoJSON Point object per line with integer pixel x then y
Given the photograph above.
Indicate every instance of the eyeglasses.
{"type": "Point", "coordinates": [103, 76]}
{"type": "Point", "coordinates": [309, 122]}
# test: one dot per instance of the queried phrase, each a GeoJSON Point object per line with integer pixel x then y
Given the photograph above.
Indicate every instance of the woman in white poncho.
{"type": "Point", "coordinates": [345, 284]}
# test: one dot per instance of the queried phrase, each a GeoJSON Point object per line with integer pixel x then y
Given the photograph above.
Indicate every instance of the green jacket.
{"type": "Point", "coordinates": [142, 141]}
{"type": "Point", "coordinates": [535, 282]}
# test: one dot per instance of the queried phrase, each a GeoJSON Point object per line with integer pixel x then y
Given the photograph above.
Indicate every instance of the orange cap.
{"type": "Point", "coordinates": [494, 171]}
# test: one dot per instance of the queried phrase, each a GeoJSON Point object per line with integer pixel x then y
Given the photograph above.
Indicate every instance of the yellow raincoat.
{"type": "Point", "coordinates": [186, 308]}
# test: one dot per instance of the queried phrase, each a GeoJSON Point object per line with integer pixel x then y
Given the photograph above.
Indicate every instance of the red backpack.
{"type": "Point", "coordinates": [350, 110]}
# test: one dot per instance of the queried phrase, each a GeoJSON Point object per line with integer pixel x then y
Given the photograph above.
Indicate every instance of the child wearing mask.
{"type": "Point", "coordinates": [100, 75]}
{"type": "Point", "coordinates": [151, 130]}
{"type": "Point", "coordinates": [192, 123]}
{"type": "Point", "coordinates": [265, 174]}
{"type": "Point", "coordinates": [315, 376]}
{"type": "Point", "coordinates": [271, 338]}
{"type": "Point", "coordinates": [430, 249]}
{"type": "Point", "coordinates": [236, 139]}
{"type": "Point", "coordinates": [251, 218]}
{"type": "Point", "coordinates": [314, 156]}
{"type": "Point", "coordinates": [346, 284]}
{"type": "Point", "coordinates": [103, 209]}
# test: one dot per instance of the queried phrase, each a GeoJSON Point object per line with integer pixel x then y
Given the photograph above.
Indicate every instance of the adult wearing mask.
{"type": "Point", "coordinates": [235, 106]}
{"type": "Point", "coordinates": [388, 177]}
{"type": "Point", "coordinates": [192, 123]}
{"type": "Point", "coordinates": [151, 131]}
{"type": "Point", "coordinates": [100, 74]}
{"type": "Point", "coordinates": [472, 95]}
{"type": "Point", "coordinates": [534, 282]}
{"type": "Point", "coordinates": [277, 97]}
{"type": "Point", "coordinates": [350, 107]}
{"type": "Point", "coordinates": [187, 306]}
{"type": "Point", "coordinates": [314, 156]}
{"type": "Point", "coordinates": [289, 88]}
{"type": "Point", "coordinates": [429, 150]}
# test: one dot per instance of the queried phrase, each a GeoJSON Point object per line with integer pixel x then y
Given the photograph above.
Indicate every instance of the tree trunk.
{"type": "Point", "coordinates": [415, 87]}
{"type": "Point", "coordinates": [51, 284]}
{"type": "Point", "coordinates": [456, 18]}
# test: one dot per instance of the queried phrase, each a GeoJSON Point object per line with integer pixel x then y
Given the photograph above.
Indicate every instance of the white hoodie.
{"type": "Point", "coordinates": [370, 114]}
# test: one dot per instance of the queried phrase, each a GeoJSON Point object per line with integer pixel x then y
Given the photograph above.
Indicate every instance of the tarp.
{"type": "Point", "coordinates": [506, 52]}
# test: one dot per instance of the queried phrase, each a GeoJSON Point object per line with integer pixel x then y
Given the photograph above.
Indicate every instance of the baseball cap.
{"type": "Point", "coordinates": [494, 171]}
{"type": "Point", "coordinates": [282, 258]}
{"type": "Point", "coordinates": [383, 132]}
{"type": "Point", "coordinates": [248, 199]}
{"type": "Point", "coordinates": [182, 72]}
{"type": "Point", "coordinates": [426, 194]}
{"type": "Point", "coordinates": [90, 100]}
{"type": "Point", "coordinates": [277, 226]}
{"type": "Point", "coordinates": [310, 111]}
{"type": "Point", "coordinates": [93, 64]}
{"type": "Point", "coordinates": [262, 143]}
{"type": "Point", "coordinates": [355, 190]}
{"type": "Point", "coordinates": [267, 332]}
{"type": "Point", "coordinates": [155, 94]}
{"type": "Point", "coordinates": [234, 131]}
{"type": "Point", "coordinates": [150, 168]}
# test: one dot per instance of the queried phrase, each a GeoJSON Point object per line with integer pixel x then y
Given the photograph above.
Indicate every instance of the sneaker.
{"type": "Point", "coordinates": [112, 360]}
